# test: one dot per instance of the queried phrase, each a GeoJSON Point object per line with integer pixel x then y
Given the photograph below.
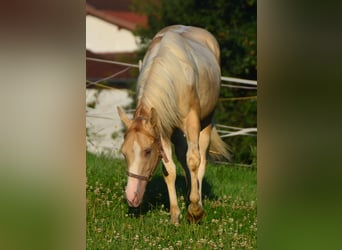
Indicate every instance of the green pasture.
{"type": "Point", "coordinates": [230, 205]}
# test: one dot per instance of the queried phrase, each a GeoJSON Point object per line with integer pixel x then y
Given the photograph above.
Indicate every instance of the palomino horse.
{"type": "Point", "coordinates": [177, 91]}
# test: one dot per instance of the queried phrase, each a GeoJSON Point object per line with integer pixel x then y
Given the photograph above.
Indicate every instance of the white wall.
{"type": "Point", "coordinates": [103, 120]}
{"type": "Point", "coordinates": [104, 37]}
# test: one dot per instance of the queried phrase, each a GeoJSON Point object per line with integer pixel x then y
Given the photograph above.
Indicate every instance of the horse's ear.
{"type": "Point", "coordinates": [124, 118]}
{"type": "Point", "coordinates": [153, 117]}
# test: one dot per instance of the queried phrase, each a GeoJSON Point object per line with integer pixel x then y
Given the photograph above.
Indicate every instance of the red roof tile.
{"type": "Point", "coordinates": [128, 16]}
{"type": "Point", "coordinates": [122, 5]}
{"type": "Point", "coordinates": [123, 19]}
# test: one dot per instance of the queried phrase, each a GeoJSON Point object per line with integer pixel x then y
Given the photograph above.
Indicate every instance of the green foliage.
{"type": "Point", "coordinates": [229, 202]}
{"type": "Point", "coordinates": [233, 23]}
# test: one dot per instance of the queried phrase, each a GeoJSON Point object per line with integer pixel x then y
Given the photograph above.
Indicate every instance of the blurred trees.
{"type": "Point", "coordinates": [234, 24]}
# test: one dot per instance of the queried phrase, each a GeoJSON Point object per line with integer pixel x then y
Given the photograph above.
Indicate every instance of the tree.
{"type": "Point", "coordinates": [233, 23]}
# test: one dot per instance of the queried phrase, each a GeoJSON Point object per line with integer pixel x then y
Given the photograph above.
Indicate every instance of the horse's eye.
{"type": "Point", "coordinates": [147, 152]}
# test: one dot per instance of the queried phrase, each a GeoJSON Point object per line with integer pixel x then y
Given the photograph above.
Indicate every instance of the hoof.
{"type": "Point", "coordinates": [195, 213]}
{"type": "Point", "coordinates": [175, 212]}
{"type": "Point", "coordinates": [175, 221]}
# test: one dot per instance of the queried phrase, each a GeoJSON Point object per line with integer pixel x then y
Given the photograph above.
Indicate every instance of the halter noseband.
{"type": "Point", "coordinates": [139, 177]}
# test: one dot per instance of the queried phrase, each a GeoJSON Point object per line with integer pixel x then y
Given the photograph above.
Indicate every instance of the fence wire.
{"type": "Point", "coordinates": [225, 130]}
{"type": "Point", "coordinates": [223, 78]}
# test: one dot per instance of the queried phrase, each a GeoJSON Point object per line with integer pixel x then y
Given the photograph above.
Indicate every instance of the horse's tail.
{"type": "Point", "coordinates": [218, 149]}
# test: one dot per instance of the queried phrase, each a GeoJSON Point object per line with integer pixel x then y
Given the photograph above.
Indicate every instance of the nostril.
{"type": "Point", "coordinates": [133, 202]}
{"type": "Point", "coordinates": [129, 203]}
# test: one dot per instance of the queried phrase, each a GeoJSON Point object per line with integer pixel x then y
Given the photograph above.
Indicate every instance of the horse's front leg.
{"type": "Point", "coordinates": [170, 180]}
{"type": "Point", "coordinates": [193, 159]}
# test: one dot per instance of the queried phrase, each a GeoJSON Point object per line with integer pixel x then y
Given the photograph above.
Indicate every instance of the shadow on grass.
{"type": "Point", "coordinates": [156, 194]}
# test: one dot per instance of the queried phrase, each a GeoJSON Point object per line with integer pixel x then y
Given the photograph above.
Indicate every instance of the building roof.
{"type": "Point", "coordinates": [120, 5]}
{"type": "Point", "coordinates": [116, 12]}
{"type": "Point", "coordinates": [121, 17]}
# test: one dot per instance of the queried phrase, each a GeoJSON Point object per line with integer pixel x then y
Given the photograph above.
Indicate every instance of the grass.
{"type": "Point", "coordinates": [230, 220]}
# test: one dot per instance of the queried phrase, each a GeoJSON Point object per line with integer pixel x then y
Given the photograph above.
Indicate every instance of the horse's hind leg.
{"type": "Point", "coordinates": [204, 141]}
{"type": "Point", "coordinates": [193, 159]}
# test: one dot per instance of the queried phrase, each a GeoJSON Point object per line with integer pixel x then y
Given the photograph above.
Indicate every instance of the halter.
{"type": "Point", "coordinates": [139, 177]}
{"type": "Point", "coordinates": [161, 155]}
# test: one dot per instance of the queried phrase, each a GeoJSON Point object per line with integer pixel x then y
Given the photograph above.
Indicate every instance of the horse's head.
{"type": "Point", "coordinates": [141, 148]}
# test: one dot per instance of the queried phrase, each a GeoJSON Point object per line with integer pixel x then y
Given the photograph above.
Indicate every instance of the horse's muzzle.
{"type": "Point", "coordinates": [135, 191]}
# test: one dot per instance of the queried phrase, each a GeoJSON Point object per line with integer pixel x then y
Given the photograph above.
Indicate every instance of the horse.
{"type": "Point", "coordinates": [177, 91]}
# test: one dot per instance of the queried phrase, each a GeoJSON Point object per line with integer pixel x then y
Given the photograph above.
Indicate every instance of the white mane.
{"type": "Point", "coordinates": [163, 78]}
